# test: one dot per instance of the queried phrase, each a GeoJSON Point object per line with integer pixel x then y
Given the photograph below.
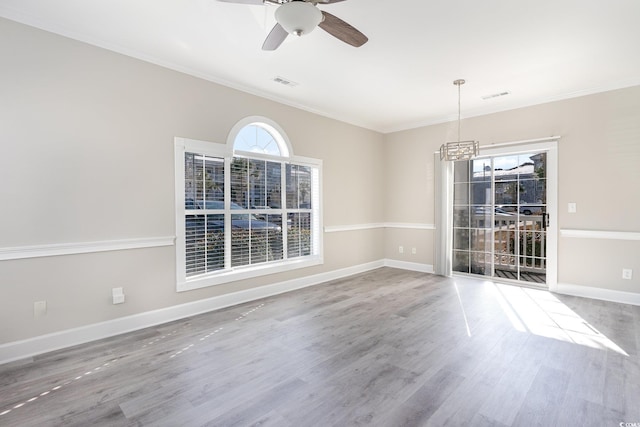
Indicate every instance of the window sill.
{"type": "Point", "coordinates": [218, 278]}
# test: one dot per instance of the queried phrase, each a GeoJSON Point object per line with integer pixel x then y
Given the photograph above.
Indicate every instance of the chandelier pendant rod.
{"type": "Point", "coordinates": [458, 83]}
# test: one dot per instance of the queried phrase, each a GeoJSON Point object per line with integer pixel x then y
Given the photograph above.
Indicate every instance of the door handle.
{"type": "Point", "coordinates": [545, 221]}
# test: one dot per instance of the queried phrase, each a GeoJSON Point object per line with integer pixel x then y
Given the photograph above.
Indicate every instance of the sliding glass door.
{"type": "Point", "coordinates": [500, 217]}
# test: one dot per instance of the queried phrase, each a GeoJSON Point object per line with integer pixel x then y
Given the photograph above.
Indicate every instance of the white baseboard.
{"type": "Point", "coordinates": [17, 350]}
{"type": "Point", "coordinates": [598, 293]}
{"type": "Point", "coordinates": [412, 266]}
{"type": "Point", "coordinates": [55, 341]}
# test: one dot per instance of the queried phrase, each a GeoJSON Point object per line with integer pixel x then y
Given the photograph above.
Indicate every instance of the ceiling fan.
{"type": "Point", "coordinates": [300, 17]}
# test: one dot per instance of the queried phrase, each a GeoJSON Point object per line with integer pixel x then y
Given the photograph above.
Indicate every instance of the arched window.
{"type": "Point", "coordinates": [259, 135]}
{"type": "Point", "coordinates": [250, 207]}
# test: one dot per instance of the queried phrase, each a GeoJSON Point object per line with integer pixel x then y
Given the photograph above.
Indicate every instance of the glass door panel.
{"type": "Point", "coordinates": [500, 217]}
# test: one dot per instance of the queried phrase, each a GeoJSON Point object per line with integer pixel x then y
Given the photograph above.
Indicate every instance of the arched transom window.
{"type": "Point", "coordinates": [257, 138]}
{"type": "Point", "coordinates": [259, 135]}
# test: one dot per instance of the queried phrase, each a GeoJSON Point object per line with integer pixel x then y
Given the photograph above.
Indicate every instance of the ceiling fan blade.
{"type": "Point", "coordinates": [243, 1]}
{"type": "Point", "coordinates": [341, 30]}
{"type": "Point", "coordinates": [275, 38]}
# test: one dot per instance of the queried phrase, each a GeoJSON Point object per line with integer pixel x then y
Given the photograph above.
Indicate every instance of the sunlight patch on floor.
{"type": "Point", "coordinates": [543, 314]}
{"type": "Point", "coordinates": [464, 314]}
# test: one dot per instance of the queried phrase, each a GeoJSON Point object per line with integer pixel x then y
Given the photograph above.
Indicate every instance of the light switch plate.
{"type": "Point", "coordinates": [117, 295]}
{"type": "Point", "coordinates": [572, 208]}
{"type": "Point", "coordinates": [39, 309]}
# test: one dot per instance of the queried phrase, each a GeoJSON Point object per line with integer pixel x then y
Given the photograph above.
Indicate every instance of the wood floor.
{"type": "Point", "coordinates": [385, 348]}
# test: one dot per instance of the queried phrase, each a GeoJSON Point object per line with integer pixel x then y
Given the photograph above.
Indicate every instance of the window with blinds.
{"type": "Point", "coordinates": [245, 215]}
{"type": "Point", "coordinates": [299, 210]}
{"type": "Point", "coordinates": [204, 213]}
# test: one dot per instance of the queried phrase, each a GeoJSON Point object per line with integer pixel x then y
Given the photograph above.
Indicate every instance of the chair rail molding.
{"type": "Point", "coordinates": [370, 226]}
{"type": "Point", "coordinates": [600, 234]}
{"type": "Point", "coordinates": [57, 249]}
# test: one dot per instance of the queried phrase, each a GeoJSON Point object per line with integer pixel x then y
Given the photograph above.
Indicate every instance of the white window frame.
{"type": "Point", "coordinates": [225, 151]}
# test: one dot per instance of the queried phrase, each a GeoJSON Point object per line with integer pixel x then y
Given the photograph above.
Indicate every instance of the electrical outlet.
{"type": "Point", "coordinates": [401, 249]}
{"type": "Point", "coordinates": [572, 208]}
{"type": "Point", "coordinates": [627, 273]}
{"type": "Point", "coordinates": [414, 251]}
{"type": "Point", "coordinates": [39, 309]}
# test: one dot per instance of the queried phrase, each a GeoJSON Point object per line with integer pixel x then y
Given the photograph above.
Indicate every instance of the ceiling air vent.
{"type": "Point", "coordinates": [496, 95]}
{"type": "Point", "coordinates": [284, 82]}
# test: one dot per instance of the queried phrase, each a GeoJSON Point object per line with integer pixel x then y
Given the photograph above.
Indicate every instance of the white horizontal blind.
{"type": "Point", "coordinates": [256, 214]}
{"type": "Point", "coordinates": [204, 214]}
{"type": "Point", "coordinates": [299, 207]}
{"type": "Point", "coordinates": [259, 221]}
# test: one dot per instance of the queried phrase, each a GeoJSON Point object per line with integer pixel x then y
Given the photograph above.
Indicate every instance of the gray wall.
{"type": "Point", "coordinates": [86, 155]}
{"type": "Point", "coordinates": [599, 169]}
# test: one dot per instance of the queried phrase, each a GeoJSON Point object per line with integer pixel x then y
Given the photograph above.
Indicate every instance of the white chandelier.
{"type": "Point", "coordinates": [459, 150]}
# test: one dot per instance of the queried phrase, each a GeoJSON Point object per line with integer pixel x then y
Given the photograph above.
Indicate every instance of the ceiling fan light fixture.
{"type": "Point", "coordinates": [298, 17]}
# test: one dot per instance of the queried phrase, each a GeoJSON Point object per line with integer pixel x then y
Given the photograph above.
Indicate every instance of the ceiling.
{"type": "Point", "coordinates": [538, 51]}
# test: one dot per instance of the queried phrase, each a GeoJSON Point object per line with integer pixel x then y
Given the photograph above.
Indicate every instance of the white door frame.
{"type": "Point", "coordinates": [444, 198]}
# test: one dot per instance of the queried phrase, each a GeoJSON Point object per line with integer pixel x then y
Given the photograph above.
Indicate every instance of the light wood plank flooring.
{"type": "Point", "coordinates": [385, 348]}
